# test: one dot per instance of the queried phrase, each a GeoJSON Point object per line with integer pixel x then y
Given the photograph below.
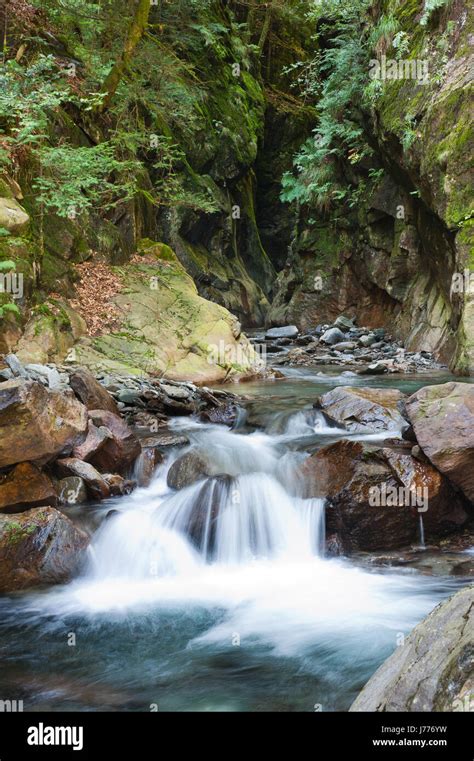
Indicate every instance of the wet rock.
{"type": "Point", "coordinates": [90, 392]}
{"type": "Point", "coordinates": [288, 331]}
{"type": "Point", "coordinates": [26, 487]}
{"type": "Point", "coordinates": [146, 464]}
{"type": "Point", "coordinates": [40, 546]}
{"type": "Point", "coordinates": [187, 469]}
{"type": "Point", "coordinates": [332, 336]}
{"type": "Point", "coordinates": [37, 424]}
{"type": "Point", "coordinates": [119, 450]}
{"type": "Point", "coordinates": [96, 485]}
{"type": "Point", "coordinates": [224, 414]}
{"type": "Point", "coordinates": [375, 497]}
{"type": "Point", "coordinates": [361, 410]}
{"type": "Point", "coordinates": [166, 440]}
{"type": "Point", "coordinates": [443, 420]}
{"type": "Point", "coordinates": [72, 491]}
{"type": "Point", "coordinates": [119, 486]}
{"type": "Point", "coordinates": [433, 669]}
{"type": "Point", "coordinates": [202, 519]}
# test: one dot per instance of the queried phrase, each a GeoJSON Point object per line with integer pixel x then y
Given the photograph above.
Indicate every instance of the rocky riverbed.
{"type": "Point", "coordinates": [366, 351]}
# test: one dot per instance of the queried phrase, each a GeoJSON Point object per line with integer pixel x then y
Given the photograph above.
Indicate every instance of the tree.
{"type": "Point", "coordinates": [135, 33]}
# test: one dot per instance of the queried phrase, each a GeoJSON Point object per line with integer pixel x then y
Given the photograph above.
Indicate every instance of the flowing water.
{"type": "Point", "coordinates": [248, 615]}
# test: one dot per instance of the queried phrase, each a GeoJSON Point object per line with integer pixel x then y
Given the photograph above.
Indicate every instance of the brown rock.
{"type": "Point", "coordinates": [95, 441]}
{"type": "Point", "coordinates": [186, 470]}
{"type": "Point", "coordinates": [95, 483]}
{"type": "Point", "coordinates": [369, 505]}
{"type": "Point", "coordinates": [90, 392]}
{"type": "Point", "coordinates": [121, 449]}
{"type": "Point", "coordinates": [443, 419]}
{"type": "Point", "coordinates": [118, 485]}
{"type": "Point", "coordinates": [40, 546]}
{"type": "Point", "coordinates": [25, 487]}
{"type": "Point", "coordinates": [38, 424]}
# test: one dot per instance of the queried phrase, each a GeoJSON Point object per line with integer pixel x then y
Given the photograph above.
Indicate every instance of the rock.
{"type": "Point", "coordinates": [93, 444]}
{"type": "Point", "coordinates": [49, 376]}
{"type": "Point", "coordinates": [119, 486]}
{"type": "Point", "coordinates": [332, 336]}
{"type": "Point", "coordinates": [166, 328]}
{"type": "Point", "coordinates": [202, 517]}
{"type": "Point", "coordinates": [367, 340]}
{"type": "Point", "coordinates": [127, 396]}
{"type": "Point", "coordinates": [433, 669]}
{"type": "Point", "coordinates": [90, 392]}
{"type": "Point", "coordinates": [344, 346]}
{"type": "Point", "coordinates": [186, 470]}
{"type": "Point", "coordinates": [443, 420]}
{"type": "Point", "coordinates": [13, 217]}
{"type": "Point", "coordinates": [288, 331]}
{"type": "Point", "coordinates": [118, 451]}
{"type": "Point", "coordinates": [224, 414]}
{"type": "Point", "coordinates": [344, 323]}
{"type": "Point", "coordinates": [37, 424]}
{"type": "Point", "coordinates": [146, 464]}
{"type": "Point", "coordinates": [25, 487]}
{"type": "Point", "coordinates": [72, 491]}
{"type": "Point", "coordinates": [370, 500]}
{"type": "Point", "coordinates": [166, 440]}
{"type": "Point", "coordinates": [176, 392]}
{"type": "Point", "coordinates": [40, 546]}
{"type": "Point", "coordinates": [446, 511]}
{"type": "Point", "coordinates": [96, 485]}
{"type": "Point", "coordinates": [376, 368]}
{"type": "Point", "coordinates": [361, 410]}
{"type": "Point", "coordinates": [15, 366]}
{"type": "Point", "coordinates": [48, 337]}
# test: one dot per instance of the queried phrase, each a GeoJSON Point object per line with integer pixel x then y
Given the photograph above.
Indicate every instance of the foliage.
{"type": "Point", "coordinates": [339, 74]}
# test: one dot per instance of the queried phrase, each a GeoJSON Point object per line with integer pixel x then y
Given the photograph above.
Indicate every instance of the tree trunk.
{"type": "Point", "coordinates": [134, 34]}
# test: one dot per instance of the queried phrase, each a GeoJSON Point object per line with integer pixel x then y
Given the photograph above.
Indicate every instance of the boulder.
{"type": "Point", "coordinates": [288, 331]}
{"type": "Point", "coordinates": [118, 451]}
{"type": "Point", "coordinates": [96, 485]}
{"type": "Point", "coordinates": [443, 420]}
{"type": "Point", "coordinates": [433, 669]}
{"type": "Point", "coordinates": [363, 410]}
{"type": "Point", "coordinates": [38, 424]}
{"type": "Point", "coordinates": [90, 392]}
{"type": "Point", "coordinates": [72, 491]}
{"type": "Point", "coordinates": [40, 546]}
{"type": "Point", "coordinates": [118, 485]}
{"type": "Point", "coordinates": [13, 217]}
{"type": "Point", "coordinates": [187, 469]}
{"type": "Point", "coordinates": [166, 328]}
{"type": "Point", "coordinates": [25, 487]}
{"type": "Point", "coordinates": [332, 336]}
{"type": "Point", "coordinates": [371, 504]}
{"type": "Point", "coordinates": [202, 518]}
{"type": "Point", "coordinates": [93, 444]}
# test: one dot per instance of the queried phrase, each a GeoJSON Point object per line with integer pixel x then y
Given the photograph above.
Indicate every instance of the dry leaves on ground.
{"type": "Point", "coordinates": [95, 290]}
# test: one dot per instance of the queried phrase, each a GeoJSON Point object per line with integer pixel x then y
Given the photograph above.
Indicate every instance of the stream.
{"type": "Point", "coordinates": [252, 618]}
